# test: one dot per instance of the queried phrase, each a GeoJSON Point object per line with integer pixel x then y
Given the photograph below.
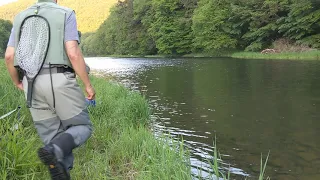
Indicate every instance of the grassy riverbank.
{"type": "Point", "coordinates": [121, 147]}
{"type": "Point", "coordinates": [311, 55]}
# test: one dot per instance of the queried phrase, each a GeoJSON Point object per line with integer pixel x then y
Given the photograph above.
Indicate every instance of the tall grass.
{"type": "Point", "coordinates": [219, 173]}
{"type": "Point", "coordinates": [121, 147]}
{"type": "Point", "coordinates": [311, 55]}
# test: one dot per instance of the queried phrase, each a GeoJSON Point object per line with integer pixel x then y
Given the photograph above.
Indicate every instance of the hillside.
{"type": "Point", "coordinates": [90, 13]}
{"type": "Point", "coordinates": [215, 27]}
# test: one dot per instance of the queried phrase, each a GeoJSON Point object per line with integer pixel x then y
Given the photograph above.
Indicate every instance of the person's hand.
{"type": "Point", "coordinates": [20, 86]}
{"type": "Point", "coordinates": [90, 92]}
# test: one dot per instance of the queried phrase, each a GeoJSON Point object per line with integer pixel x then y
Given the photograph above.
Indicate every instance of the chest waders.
{"type": "Point", "coordinates": [39, 52]}
{"type": "Point", "coordinates": [39, 33]}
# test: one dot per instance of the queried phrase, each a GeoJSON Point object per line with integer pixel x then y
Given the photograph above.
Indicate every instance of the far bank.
{"type": "Point", "coordinates": [311, 55]}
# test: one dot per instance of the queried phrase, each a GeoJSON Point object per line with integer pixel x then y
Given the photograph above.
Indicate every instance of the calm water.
{"type": "Point", "coordinates": [251, 106]}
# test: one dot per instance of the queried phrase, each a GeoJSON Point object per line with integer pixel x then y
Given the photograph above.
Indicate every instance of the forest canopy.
{"type": "Point", "coordinates": [179, 27]}
{"type": "Point", "coordinates": [5, 30]}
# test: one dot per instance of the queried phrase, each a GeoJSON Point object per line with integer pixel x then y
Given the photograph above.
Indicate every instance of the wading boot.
{"type": "Point", "coordinates": [56, 168]}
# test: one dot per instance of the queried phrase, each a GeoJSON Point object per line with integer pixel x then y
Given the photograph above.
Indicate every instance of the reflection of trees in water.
{"type": "Point", "coordinates": [252, 107]}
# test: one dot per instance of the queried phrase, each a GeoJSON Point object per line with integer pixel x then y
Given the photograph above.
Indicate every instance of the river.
{"type": "Point", "coordinates": [250, 106]}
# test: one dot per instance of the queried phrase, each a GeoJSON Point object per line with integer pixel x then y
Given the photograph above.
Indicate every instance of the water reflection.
{"type": "Point", "coordinates": [251, 106]}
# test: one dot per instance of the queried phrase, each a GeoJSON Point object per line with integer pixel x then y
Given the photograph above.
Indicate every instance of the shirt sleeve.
{"type": "Point", "coordinates": [71, 30]}
{"type": "Point", "coordinates": [11, 39]}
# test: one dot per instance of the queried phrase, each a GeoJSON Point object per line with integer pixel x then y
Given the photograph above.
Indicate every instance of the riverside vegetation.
{"type": "Point", "coordinates": [5, 28]}
{"type": "Point", "coordinates": [122, 146]}
{"type": "Point", "coordinates": [193, 27]}
{"type": "Point", "coordinates": [208, 27]}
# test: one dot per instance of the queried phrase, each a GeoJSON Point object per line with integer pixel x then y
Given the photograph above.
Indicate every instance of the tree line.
{"type": "Point", "coordinates": [5, 30]}
{"type": "Point", "coordinates": [179, 27]}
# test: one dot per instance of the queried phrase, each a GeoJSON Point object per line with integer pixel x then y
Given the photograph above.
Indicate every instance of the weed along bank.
{"type": "Point", "coordinates": [122, 146]}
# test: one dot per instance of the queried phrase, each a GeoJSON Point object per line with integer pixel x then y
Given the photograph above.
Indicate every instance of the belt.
{"type": "Point", "coordinates": [55, 70]}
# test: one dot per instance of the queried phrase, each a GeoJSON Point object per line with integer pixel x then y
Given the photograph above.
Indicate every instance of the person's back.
{"type": "Point", "coordinates": [44, 45]}
{"type": "Point", "coordinates": [55, 15]}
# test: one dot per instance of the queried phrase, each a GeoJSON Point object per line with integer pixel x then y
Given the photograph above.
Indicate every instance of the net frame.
{"type": "Point", "coordinates": [31, 80]}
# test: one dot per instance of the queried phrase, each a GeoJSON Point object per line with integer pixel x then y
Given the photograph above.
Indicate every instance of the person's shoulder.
{"type": "Point", "coordinates": [63, 8]}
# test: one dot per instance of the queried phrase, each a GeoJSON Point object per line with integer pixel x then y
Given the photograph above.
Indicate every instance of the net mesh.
{"type": "Point", "coordinates": [32, 47]}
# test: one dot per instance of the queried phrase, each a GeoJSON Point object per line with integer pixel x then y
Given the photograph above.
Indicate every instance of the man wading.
{"type": "Point", "coordinates": [44, 46]}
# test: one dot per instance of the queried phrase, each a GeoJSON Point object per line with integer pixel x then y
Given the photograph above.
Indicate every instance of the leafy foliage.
{"type": "Point", "coordinates": [211, 27]}
{"type": "Point", "coordinates": [179, 27]}
{"type": "Point", "coordinates": [122, 33]}
{"type": "Point", "coordinates": [302, 23]}
{"type": "Point", "coordinates": [5, 29]}
{"type": "Point", "coordinates": [143, 27]}
{"type": "Point", "coordinates": [170, 28]}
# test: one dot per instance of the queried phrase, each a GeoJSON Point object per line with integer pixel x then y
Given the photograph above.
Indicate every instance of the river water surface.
{"type": "Point", "coordinates": [251, 106]}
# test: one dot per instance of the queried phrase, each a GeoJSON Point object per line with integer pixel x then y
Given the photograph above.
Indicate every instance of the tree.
{"type": "Point", "coordinates": [5, 30]}
{"type": "Point", "coordinates": [302, 23]}
{"type": "Point", "coordinates": [179, 27]}
{"type": "Point", "coordinates": [259, 21]}
{"type": "Point", "coordinates": [170, 28]}
{"type": "Point", "coordinates": [211, 27]}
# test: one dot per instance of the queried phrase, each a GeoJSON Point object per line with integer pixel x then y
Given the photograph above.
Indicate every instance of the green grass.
{"type": "Point", "coordinates": [221, 53]}
{"type": "Point", "coordinates": [134, 56]}
{"type": "Point", "coordinates": [312, 55]}
{"type": "Point", "coordinates": [122, 145]}
{"type": "Point", "coordinates": [218, 172]}
{"type": "Point", "coordinates": [118, 56]}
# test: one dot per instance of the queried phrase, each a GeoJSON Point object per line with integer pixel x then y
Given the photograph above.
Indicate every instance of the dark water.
{"type": "Point", "coordinates": [251, 106]}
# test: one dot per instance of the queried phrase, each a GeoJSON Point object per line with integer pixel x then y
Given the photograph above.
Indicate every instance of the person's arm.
{"type": "Point", "coordinates": [9, 57]}
{"type": "Point", "coordinates": [75, 55]}
{"type": "Point", "coordinates": [79, 66]}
